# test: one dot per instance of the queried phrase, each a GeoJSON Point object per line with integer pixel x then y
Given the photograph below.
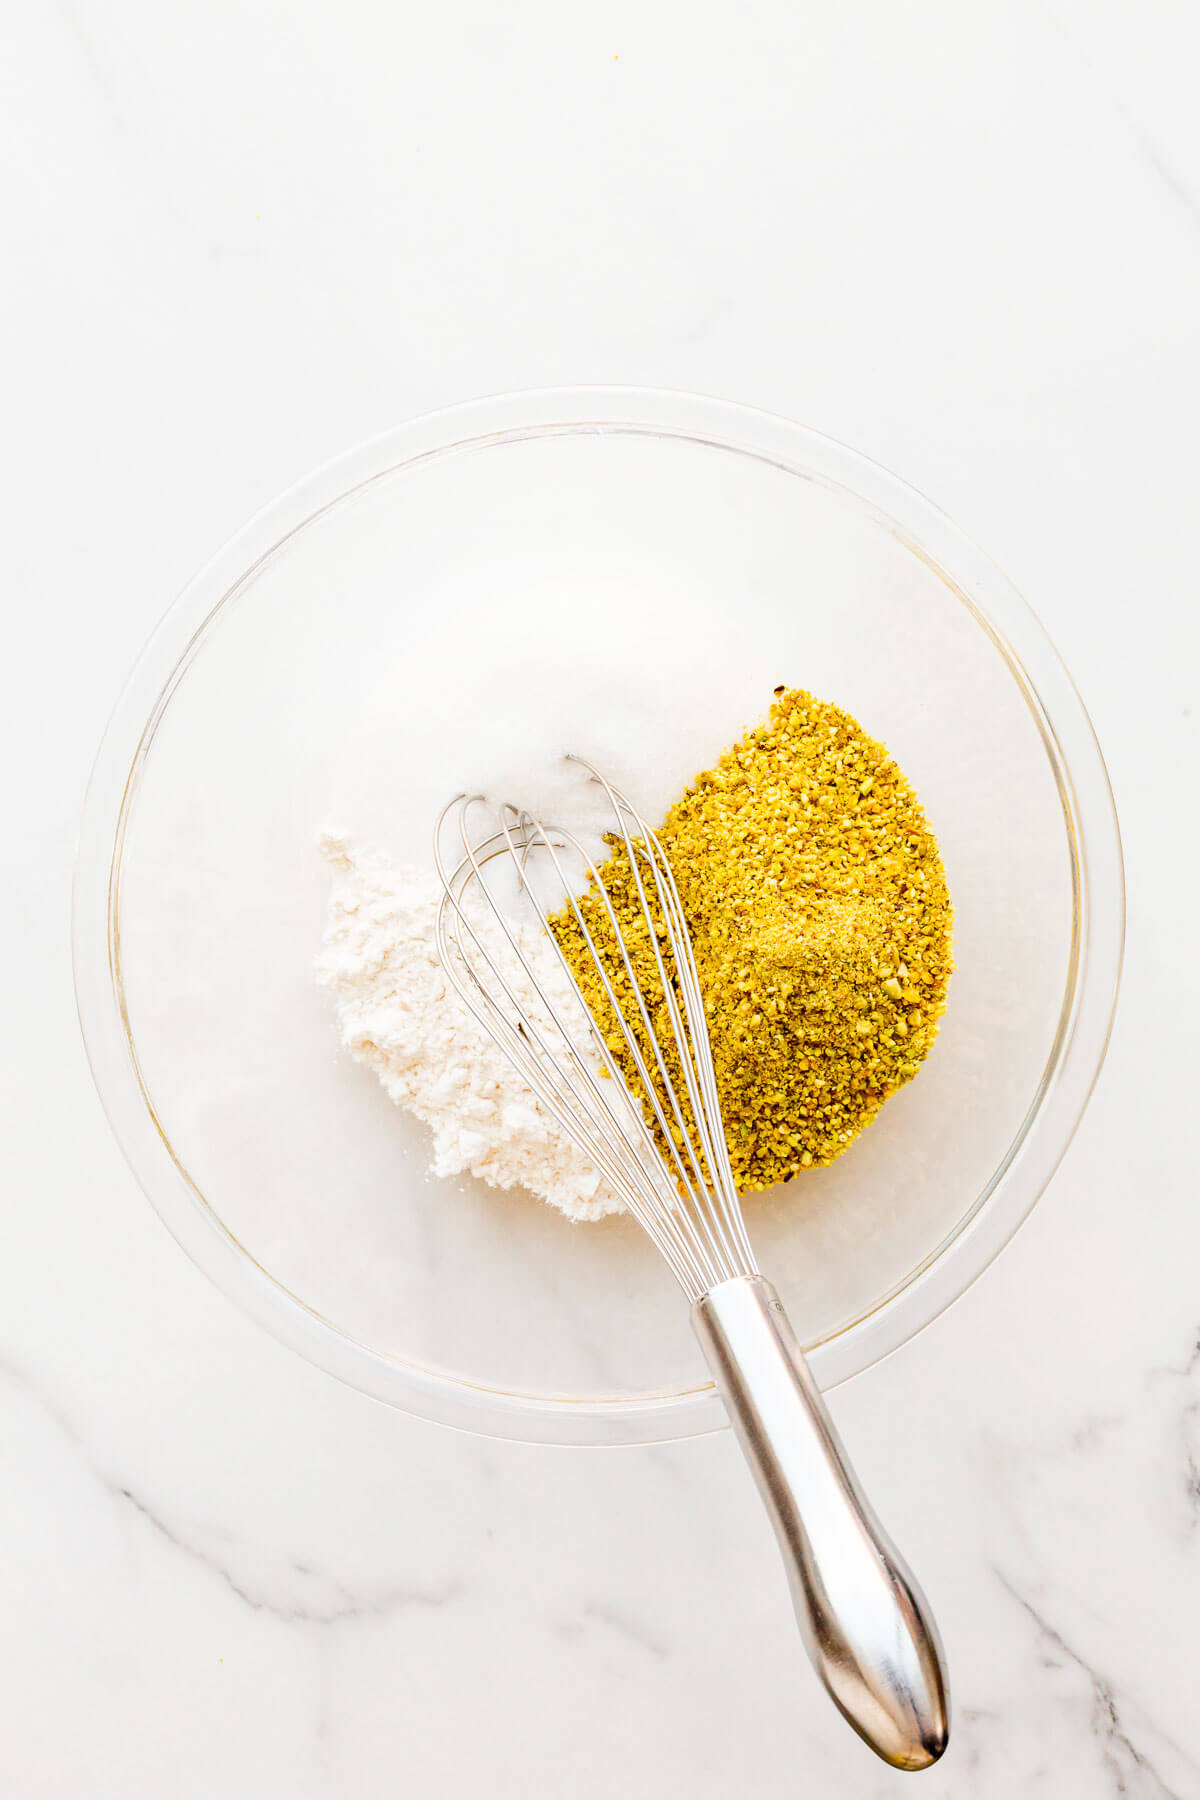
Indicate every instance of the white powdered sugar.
{"type": "Point", "coordinates": [400, 1016]}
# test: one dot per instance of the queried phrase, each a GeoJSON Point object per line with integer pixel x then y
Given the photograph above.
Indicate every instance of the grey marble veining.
{"type": "Point", "coordinates": [235, 244]}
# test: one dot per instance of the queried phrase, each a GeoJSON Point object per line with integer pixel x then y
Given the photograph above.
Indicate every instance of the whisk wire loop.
{"type": "Point", "coordinates": [658, 1141]}
{"type": "Point", "coordinates": [574, 1099]}
{"type": "Point", "coordinates": [690, 1029]}
{"type": "Point", "coordinates": [689, 1175]}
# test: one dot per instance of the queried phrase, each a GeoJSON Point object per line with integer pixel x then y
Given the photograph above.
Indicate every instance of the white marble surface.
{"type": "Point", "coordinates": [240, 237]}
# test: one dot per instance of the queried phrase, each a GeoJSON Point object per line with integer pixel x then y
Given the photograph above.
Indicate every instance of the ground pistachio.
{"type": "Point", "coordinates": [817, 906]}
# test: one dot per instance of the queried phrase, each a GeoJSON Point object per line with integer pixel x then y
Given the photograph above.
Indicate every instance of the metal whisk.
{"type": "Point", "coordinates": [651, 1124]}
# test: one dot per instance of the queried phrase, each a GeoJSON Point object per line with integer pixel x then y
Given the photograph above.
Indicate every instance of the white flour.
{"type": "Point", "coordinates": [400, 1016]}
{"type": "Point", "coordinates": [646, 702]}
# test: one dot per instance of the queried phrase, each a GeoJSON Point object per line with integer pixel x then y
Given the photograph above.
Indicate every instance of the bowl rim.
{"type": "Point", "coordinates": [1090, 823]}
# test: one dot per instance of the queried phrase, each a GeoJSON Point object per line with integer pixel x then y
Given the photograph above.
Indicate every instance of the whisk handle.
{"type": "Point", "coordinates": [865, 1622]}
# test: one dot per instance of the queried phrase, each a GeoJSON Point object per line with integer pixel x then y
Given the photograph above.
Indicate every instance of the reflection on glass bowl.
{"type": "Point", "coordinates": [280, 1166]}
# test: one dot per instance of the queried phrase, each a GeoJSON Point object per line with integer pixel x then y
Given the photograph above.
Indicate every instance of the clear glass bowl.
{"type": "Point", "coordinates": [281, 1167]}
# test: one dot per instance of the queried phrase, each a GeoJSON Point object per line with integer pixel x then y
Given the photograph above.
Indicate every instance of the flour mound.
{"type": "Point", "coordinates": [398, 1014]}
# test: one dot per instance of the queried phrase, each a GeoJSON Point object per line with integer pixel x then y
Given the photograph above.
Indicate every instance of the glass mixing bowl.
{"type": "Point", "coordinates": [282, 1168]}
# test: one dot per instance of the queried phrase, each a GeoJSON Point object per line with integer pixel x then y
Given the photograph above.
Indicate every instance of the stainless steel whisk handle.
{"type": "Point", "coordinates": [865, 1622]}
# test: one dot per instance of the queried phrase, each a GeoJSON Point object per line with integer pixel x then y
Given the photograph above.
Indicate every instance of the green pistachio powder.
{"type": "Point", "coordinates": [821, 924]}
